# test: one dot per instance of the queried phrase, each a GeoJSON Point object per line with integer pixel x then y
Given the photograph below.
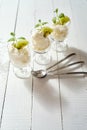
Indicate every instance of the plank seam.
{"type": "Point", "coordinates": [4, 98]}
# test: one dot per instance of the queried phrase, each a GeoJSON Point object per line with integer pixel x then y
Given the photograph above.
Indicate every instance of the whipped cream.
{"type": "Point", "coordinates": [40, 43]}
{"type": "Point", "coordinates": [59, 32]}
{"type": "Point", "coordinates": [19, 57]}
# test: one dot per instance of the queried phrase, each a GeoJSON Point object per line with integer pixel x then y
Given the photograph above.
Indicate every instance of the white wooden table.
{"type": "Point", "coordinates": [42, 104]}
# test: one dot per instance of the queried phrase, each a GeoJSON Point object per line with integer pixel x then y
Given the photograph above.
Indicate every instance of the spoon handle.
{"type": "Point", "coordinates": [71, 73]}
{"type": "Point", "coordinates": [70, 55]}
{"type": "Point", "coordinates": [72, 64]}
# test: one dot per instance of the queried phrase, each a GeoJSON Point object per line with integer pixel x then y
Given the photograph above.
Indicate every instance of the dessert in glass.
{"type": "Point", "coordinates": [41, 43]}
{"type": "Point", "coordinates": [60, 31]}
{"type": "Point", "coordinates": [20, 57]}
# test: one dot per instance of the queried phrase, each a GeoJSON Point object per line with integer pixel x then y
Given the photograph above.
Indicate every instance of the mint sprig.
{"type": "Point", "coordinates": [56, 11]}
{"type": "Point", "coordinates": [40, 24]}
{"type": "Point", "coordinates": [60, 18]}
{"type": "Point", "coordinates": [22, 38]}
{"type": "Point", "coordinates": [19, 42]}
{"type": "Point", "coordinates": [13, 38]}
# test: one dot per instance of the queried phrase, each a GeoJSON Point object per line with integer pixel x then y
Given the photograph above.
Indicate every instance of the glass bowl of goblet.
{"type": "Point", "coordinates": [41, 46]}
{"type": "Point", "coordinates": [59, 36]}
{"type": "Point", "coordinates": [60, 28]}
{"type": "Point", "coordinates": [20, 58]}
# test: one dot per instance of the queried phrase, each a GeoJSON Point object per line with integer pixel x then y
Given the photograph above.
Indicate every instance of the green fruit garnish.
{"type": "Point", "coordinates": [41, 26]}
{"type": "Point", "coordinates": [67, 19]}
{"type": "Point", "coordinates": [46, 31]}
{"type": "Point", "coordinates": [60, 19]}
{"type": "Point", "coordinates": [18, 42]}
{"type": "Point", "coordinates": [64, 20]}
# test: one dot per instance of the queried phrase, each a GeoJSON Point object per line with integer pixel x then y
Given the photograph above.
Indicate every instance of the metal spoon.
{"type": "Point", "coordinates": [68, 56]}
{"type": "Point", "coordinates": [66, 66]}
{"type": "Point", "coordinates": [40, 73]}
{"type": "Point", "coordinates": [43, 73]}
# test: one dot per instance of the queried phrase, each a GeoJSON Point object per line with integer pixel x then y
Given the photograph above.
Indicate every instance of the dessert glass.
{"type": "Point", "coordinates": [59, 36]}
{"type": "Point", "coordinates": [20, 58]}
{"type": "Point", "coordinates": [41, 46]}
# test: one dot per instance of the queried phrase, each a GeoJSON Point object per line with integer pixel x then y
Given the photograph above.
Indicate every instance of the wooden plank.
{"type": "Point", "coordinates": [25, 20]}
{"type": "Point", "coordinates": [6, 25]}
{"type": "Point", "coordinates": [73, 90]}
{"type": "Point", "coordinates": [8, 13]}
{"type": "Point", "coordinates": [79, 9]}
{"type": "Point", "coordinates": [46, 98]}
{"type": "Point", "coordinates": [18, 103]}
{"type": "Point", "coordinates": [80, 20]}
{"type": "Point", "coordinates": [17, 111]}
{"type": "Point", "coordinates": [49, 103]}
{"type": "Point", "coordinates": [74, 110]}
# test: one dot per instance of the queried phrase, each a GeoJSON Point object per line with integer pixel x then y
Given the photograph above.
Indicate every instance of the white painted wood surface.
{"type": "Point", "coordinates": [50, 103]}
{"type": "Point", "coordinates": [7, 21]}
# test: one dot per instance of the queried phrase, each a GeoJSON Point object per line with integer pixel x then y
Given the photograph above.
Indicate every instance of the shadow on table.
{"type": "Point", "coordinates": [82, 53]}
{"type": "Point", "coordinates": [46, 94]}
{"type": "Point", "coordinates": [73, 82]}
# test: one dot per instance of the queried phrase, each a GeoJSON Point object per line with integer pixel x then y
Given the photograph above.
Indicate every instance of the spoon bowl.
{"type": "Point", "coordinates": [39, 73]}
{"type": "Point", "coordinates": [43, 73]}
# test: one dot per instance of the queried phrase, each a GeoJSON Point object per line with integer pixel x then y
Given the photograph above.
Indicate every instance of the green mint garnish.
{"type": "Point", "coordinates": [61, 15]}
{"type": "Point", "coordinates": [37, 25]}
{"type": "Point", "coordinates": [43, 28]}
{"type": "Point", "coordinates": [11, 39]}
{"type": "Point", "coordinates": [22, 38]}
{"type": "Point", "coordinates": [60, 18]}
{"type": "Point", "coordinates": [43, 23]}
{"type": "Point", "coordinates": [54, 20]}
{"type": "Point", "coordinates": [39, 20]}
{"type": "Point", "coordinates": [12, 34]}
{"type": "Point", "coordinates": [56, 11]}
{"type": "Point", "coordinates": [18, 42]}
{"type": "Point", "coordinates": [40, 24]}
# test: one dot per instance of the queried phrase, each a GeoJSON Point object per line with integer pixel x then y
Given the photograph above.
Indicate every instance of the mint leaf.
{"type": "Point", "coordinates": [11, 39]}
{"type": "Point", "coordinates": [37, 25]}
{"type": "Point", "coordinates": [12, 34]}
{"type": "Point", "coordinates": [40, 24]}
{"type": "Point", "coordinates": [56, 11]}
{"type": "Point", "coordinates": [61, 15]}
{"type": "Point", "coordinates": [60, 18]}
{"type": "Point", "coordinates": [19, 42]}
{"type": "Point", "coordinates": [22, 38]}
{"type": "Point", "coordinates": [39, 20]}
{"type": "Point", "coordinates": [54, 20]}
{"type": "Point", "coordinates": [43, 23]}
